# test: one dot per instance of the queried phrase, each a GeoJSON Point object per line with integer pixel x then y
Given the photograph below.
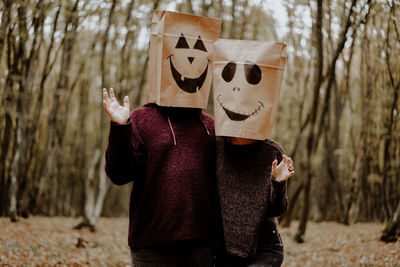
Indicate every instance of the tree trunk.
{"type": "Point", "coordinates": [299, 237]}
{"type": "Point", "coordinates": [388, 136]}
{"type": "Point", "coordinates": [3, 156]}
{"type": "Point", "coordinates": [205, 7]}
{"type": "Point", "coordinates": [189, 7]}
{"type": "Point", "coordinates": [103, 187]}
{"type": "Point", "coordinates": [14, 172]}
{"type": "Point", "coordinates": [93, 204]}
{"type": "Point", "coordinates": [125, 76]}
{"type": "Point", "coordinates": [244, 18]}
{"type": "Point", "coordinates": [143, 72]}
{"type": "Point", "coordinates": [232, 34]}
{"type": "Point", "coordinates": [390, 231]}
{"type": "Point", "coordinates": [58, 111]}
{"type": "Point", "coordinates": [5, 21]}
{"type": "Point", "coordinates": [287, 217]}
{"type": "Point", "coordinates": [37, 113]}
{"type": "Point", "coordinates": [26, 83]}
{"type": "Point", "coordinates": [313, 137]}
{"type": "Point", "coordinates": [21, 65]}
{"type": "Point", "coordinates": [91, 212]}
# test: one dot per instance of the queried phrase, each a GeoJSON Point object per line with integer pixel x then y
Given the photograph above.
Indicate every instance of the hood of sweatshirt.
{"type": "Point", "coordinates": [173, 112]}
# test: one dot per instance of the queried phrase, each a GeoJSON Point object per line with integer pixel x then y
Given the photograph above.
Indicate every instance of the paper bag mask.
{"type": "Point", "coordinates": [180, 66]}
{"type": "Point", "coordinates": [247, 81]}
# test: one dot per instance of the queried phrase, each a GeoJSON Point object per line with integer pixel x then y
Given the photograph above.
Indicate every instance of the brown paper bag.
{"type": "Point", "coordinates": [247, 81]}
{"type": "Point", "coordinates": [180, 64]}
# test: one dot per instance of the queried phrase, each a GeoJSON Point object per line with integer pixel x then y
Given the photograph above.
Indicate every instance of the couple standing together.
{"type": "Point", "coordinates": [197, 199]}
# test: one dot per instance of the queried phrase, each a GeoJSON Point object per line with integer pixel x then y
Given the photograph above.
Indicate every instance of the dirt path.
{"type": "Point", "coordinates": [42, 241]}
{"type": "Point", "coordinates": [332, 244]}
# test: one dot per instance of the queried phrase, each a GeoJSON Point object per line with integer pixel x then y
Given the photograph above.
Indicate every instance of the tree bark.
{"type": "Point", "coordinates": [89, 218]}
{"type": "Point", "coordinates": [244, 18]}
{"type": "Point", "coordinates": [299, 237]}
{"type": "Point", "coordinates": [58, 117]}
{"type": "Point", "coordinates": [388, 135]}
{"type": "Point", "coordinates": [390, 231]}
{"type": "Point", "coordinates": [38, 186]}
{"type": "Point", "coordinates": [189, 7]}
{"type": "Point", "coordinates": [21, 66]}
{"type": "Point", "coordinates": [205, 7]}
{"type": "Point", "coordinates": [91, 202]}
{"type": "Point", "coordinates": [313, 138]}
{"type": "Point", "coordinates": [232, 34]}
{"type": "Point", "coordinates": [27, 81]}
{"type": "Point", "coordinates": [287, 217]}
{"type": "Point", "coordinates": [5, 22]}
{"type": "Point", "coordinates": [125, 77]}
{"type": "Point", "coordinates": [143, 72]}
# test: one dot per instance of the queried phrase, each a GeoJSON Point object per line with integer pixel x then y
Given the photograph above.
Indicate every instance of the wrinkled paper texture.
{"type": "Point", "coordinates": [247, 82]}
{"type": "Point", "coordinates": [180, 64]}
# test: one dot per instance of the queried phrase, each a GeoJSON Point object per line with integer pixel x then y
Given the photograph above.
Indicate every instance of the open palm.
{"type": "Point", "coordinates": [116, 112]}
{"type": "Point", "coordinates": [284, 170]}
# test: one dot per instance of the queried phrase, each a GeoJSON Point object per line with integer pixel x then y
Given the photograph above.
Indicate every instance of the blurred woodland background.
{"type": "Point", "coordinates": [338, 118]}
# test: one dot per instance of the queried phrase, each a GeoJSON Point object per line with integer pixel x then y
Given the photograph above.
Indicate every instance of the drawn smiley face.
{"type": "Point", "coordinates": [253, 75]}
{"type": "Point", "coordinates": [189, 85]}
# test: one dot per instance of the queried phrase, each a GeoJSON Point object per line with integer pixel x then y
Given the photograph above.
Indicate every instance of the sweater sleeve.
{"type": "Point", "coordinates": [125, 154]}
{"type": "Point", "coordinates": [278, 202]}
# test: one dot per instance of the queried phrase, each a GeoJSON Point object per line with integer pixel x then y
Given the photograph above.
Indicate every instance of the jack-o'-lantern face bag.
{"type": "Point", "coordinates": [180, 64]}
{"type": "Point", "coordinates": [247, 82]}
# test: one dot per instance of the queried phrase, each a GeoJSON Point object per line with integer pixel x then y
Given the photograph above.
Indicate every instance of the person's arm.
{"type": "Point", "coordinates": [124, 154]}
{"type": "Point", "coordinates": [120, 161]}
{"type": "Point", "coordinates": [278, 202]}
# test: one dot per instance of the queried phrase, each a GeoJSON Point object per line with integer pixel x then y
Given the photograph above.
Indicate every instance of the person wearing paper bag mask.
{"type": "Point", "coordinates": [167, 147]}
{"type": "Point", "coordinates": [251, 169]}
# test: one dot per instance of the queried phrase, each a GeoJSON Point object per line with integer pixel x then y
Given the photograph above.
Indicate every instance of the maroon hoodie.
{"type": "Point", "coordinates": [169, 154]}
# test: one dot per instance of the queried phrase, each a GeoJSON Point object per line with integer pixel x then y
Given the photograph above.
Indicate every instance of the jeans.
{"type": "Point", "coordinates": [178, 254]}
{"type": "Point", "coordinates": [267, 256]}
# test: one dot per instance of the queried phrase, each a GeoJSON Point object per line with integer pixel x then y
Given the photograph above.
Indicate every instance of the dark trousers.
{"type": "Point", "coordinates": [267, 256]}
{"type": "Point", "coordinates": [178, 254]}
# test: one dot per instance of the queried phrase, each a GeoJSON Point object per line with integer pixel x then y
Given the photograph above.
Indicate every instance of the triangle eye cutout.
{"type": "Point", "coordinates": [199, 45]}
{"type": "Point", "coordinates": [182, 43]}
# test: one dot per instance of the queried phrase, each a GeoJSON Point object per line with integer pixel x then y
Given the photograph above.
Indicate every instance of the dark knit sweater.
{"type": "Point", "coordinates": [249, 197]}
{"type": "Point", "coordinates": [170, 156]}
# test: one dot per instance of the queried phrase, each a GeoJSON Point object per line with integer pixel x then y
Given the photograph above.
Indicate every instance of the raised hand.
{"type": "Point", "coordinates": [284, 170]}
{"type": "Point", "coordinates": [116, 112]}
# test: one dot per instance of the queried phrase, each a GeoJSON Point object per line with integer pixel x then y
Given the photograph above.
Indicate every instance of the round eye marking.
{"type": "Point", "coordinates": [229, 71]}
{"type": "Point", "coordinates": [182, 43]}
{"type": "Point", "coordinates": [252, 72]}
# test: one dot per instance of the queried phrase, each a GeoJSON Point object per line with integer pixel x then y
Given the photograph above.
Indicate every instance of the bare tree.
{"type": "Point", "coordinates": [313, 118]}
{"type": "Point", "coordinates": [93, 202]}
{"type": "Point", "coordinates": [313, 137]}
{"type": "Point", "coordinates": [58, 111]}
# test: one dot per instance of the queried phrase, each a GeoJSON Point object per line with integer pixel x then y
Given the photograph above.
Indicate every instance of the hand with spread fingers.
{"type": "Point", "coordinates": [284, 170]}
{"type": "Point", "coordinates": [119, 114]}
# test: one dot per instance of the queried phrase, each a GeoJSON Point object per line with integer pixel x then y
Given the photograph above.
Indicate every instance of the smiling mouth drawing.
{"type": "Point", "coordinates": [234, 116]}
{"type": "Point", "coordinates": [189, 85]}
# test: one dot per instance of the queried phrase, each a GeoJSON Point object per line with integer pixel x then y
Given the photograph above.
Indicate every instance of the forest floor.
{"type": "Point", "coordinates": [44, 241]}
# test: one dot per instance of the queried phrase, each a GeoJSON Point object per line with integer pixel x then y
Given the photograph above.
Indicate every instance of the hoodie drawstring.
{"type": "Point", "coordinates": [172, 130]}
{"type": "Point", "coordinates": [201, 118]}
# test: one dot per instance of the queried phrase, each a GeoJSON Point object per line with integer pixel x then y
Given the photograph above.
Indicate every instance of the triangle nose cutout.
{"type": "Point", "coordinates": [190, 59]}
